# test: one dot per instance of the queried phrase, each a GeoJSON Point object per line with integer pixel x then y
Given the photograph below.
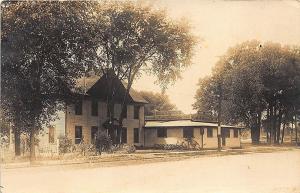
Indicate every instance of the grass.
{"type": "Point", "coordinates": [147, 156]}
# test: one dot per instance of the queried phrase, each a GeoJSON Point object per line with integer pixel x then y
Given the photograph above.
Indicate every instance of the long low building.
{"type": "Point", "coordinates": [203, 133]}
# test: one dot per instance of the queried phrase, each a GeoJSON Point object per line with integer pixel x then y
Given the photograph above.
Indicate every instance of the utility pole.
{"type": "Point", "coordinates": [219, 116]}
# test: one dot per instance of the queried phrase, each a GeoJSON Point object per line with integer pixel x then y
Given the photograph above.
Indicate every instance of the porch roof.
{"type": "Point", "coordinates": [184, 123]}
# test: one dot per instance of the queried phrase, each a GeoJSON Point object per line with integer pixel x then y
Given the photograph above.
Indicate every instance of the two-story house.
{"type": "Point", "coordinates": [80, 121]}
{"type": "Point", "coordinates": [83, 119]}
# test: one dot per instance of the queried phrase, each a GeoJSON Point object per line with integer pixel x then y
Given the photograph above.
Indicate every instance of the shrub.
{"type": "Point", "coordinates": [190, 143]}
{"type": "Point", "coordinates": [65, 145]}
{"type": "Point", "coordinates": [103, 142]}
{"type": "Point", "coordinates": [129, 148]}
{"type": "Point", "coordinates": [169, 146]}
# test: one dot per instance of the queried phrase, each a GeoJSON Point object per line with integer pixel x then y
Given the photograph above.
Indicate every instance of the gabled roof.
{"type": "Point", "coordinates": [103, 86]}
{"type": "Point", "coordinates": [184, 123]}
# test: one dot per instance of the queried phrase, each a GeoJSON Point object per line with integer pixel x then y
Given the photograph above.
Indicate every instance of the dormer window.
{"type": "Point", "coordinates": [78, 108]}
{"type": "Point", "coordinates": [94, 108]}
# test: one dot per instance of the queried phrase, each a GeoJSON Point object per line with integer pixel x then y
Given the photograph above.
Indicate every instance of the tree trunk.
{"type": "Point", "coordinates": [255, 134]}
{"type": "Point", "coordinates": [275, 117]}
{"type": "Point", "coordinates": [278, 126]}
{"type": "Point", "coordinates": [17, 141]}
{"type": "Point", "coordinates": [282, 135]}
{"type": "Point", "coordinates": [111, 128]}
{"type": "Point", "coordinates": [32, 143]}
{"type": "Point", "coordinates": [123, 109]}
{"type": "Point", "coordinates": [255, 129]}
{"type": "Point", "coordinates": [114, 130]}
{"type": "Point", "coordinates": [268, 126]}
{"type": "Point", "coordinates": [271, 124]}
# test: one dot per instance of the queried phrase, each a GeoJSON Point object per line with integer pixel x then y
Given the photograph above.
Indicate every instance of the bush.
{"type": "Point", "coordinates": [190, 143]}
{"type": "Point", "coordinates": [129, 148]}
{"type": "Point", "coordinates": [169, 146]}
{"type": "Point", "coordinates": [85, 149]}
{"type": "Point", "coordinates": [65, 145]}
{"type": "Point", "coordinates": [103, 142]}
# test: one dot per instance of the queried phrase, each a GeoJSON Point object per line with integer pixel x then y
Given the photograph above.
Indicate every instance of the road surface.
{"type": "Point", "coordinates": [277, 172]}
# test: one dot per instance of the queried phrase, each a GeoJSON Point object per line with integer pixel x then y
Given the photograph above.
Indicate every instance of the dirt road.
{"type": "Point", "coordinates": [277, 172]}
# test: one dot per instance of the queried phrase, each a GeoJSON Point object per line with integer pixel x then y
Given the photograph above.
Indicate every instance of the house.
{"type": "Point", "coordinates": [83, 119]}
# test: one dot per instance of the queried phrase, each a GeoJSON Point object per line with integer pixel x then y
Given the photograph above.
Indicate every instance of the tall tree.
{"type": "Point", "coordinates": [258, 79]}
{"type": "Point", "coordinates": [45, 47]}
{"type": "Point", "coordinates": [134, 37]}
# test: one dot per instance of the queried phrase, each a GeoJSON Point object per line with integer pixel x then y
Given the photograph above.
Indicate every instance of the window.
{"type": "Point", "coordinates": [124, 135]}
{"type": "Point", "coordinates": [51, 134]}
{"type": "Point", "coordinates": [78, 108]}
{"type": "Point", "coordinates": [136, 135]}
{"type": "Point", "coordinates": [94, 130]}
{"type": "Point", "coordinates": [136, 112]}
{"type": "Point", "coordinates": [94, 108]}
{"type": "Point", "coordinates": [235, 133]}
{"type": "Point", "coordinates": [188, 132]}
{"type": "Point", "coordinates": [162, 132]}
{"type": "Point", "coordinates": [109, 110]}
{"type": "Point", "coordinates": [78, 134]}
{"type": "Point", "coordinates": [210, 133]}
{"type": "Point", "coordinates": [121, 135]}
{"type": "Point", "coordinates": [225, 132]}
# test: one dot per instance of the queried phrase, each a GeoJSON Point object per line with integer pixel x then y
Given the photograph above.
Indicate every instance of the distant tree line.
{"type": "Point", "coordinates": [159, 102]}
{"type": "Point", "coordinates": [256, 84]}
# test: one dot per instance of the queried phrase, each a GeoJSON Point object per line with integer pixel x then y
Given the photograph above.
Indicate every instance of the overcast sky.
{"type": "Point", "coordinates": [223, 24]}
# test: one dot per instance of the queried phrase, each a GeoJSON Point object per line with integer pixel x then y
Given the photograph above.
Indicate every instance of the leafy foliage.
{"type": "Point", "coordinates": [65, 145]}
{"type": "Point", "coordinates": [102, 142]}
{"type": "Point", "coordinates": [132, 38]}
{"type": "Point", "coordinates": [255, 79]}
{"type": "Point", "coordinates": [157, 102]}
{"type": "Point", "coordinates": [45, 47]}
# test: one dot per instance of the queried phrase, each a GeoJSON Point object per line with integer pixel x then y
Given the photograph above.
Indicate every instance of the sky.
{"type": "Point", "coordinates": [220, 25]}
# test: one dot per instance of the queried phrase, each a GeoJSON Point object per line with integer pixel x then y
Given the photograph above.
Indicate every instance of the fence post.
{"type": "Point", "coordinates": [57, 146]}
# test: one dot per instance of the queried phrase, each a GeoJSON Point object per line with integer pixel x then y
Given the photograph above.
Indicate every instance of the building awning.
{"type": "Point", "coordinates": [184, 123]}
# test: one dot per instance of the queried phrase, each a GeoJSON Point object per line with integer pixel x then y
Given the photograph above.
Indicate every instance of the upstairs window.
{"type": "Point", "coordinates": [136, 112]}
{"type": "Point", "coordinates": [210, 133]}
{"type": "Point", "coordinates": [162, 132]}
{"type": "Point", "coordinates": [94, 108]}
{"type": "Point", "coordinates": [235, 133]}
{"type": "Point", "coordinates": [188, 132]}
{"type": "Point", "coordinates": [78, 108]}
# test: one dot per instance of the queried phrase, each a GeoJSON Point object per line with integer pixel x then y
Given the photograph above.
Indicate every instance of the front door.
{"type": "Point", "coordinates": [225, 133]}
{"type": "Point", "coordinates": [223, 139]}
